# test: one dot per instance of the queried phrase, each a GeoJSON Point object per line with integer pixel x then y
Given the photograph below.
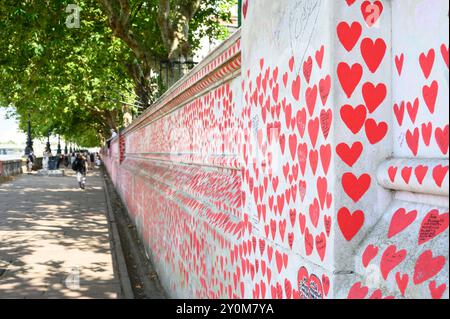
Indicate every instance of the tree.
{"type": "Point", "coordinates": [75, 82]}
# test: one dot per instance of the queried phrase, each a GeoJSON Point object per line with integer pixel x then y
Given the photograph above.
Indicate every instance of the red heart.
{"type": "Point", "coordinates": [302, 222]}
{"type": "Point", "coordinates": [439, 173]}
{"type": "Point", "coordinates": [402, 282]}
{"type": "Point", "coordinates": [307, 68]}
{"type": "Point", "coordinates": [427, 62]}
{"type": "Point", "coordinates": [321, 245]}
{"type": "Point", "coordinates": [282, 229]}
{"type": "Point", "coordinates": [296, 88]}
{"type": "Point", "coordinates": [399, 111]}
{"type": "Point", "coordinates": [309, 242]}
{"type": "Point", "coordinates": [325, 157]}
{"type": "Point", "coordinates": [326, 118]}
{"type": "Point", "coordinates": [427, 267]}
{"type": "Point", "coordinates": [325, 284]}
{"type": "Point", "coordinates": [324, 89]}
{"type": "Point", "coordinates": [357, 291]}
{"type": "Point", "coordinates": [349, 155]}
{"type": "Point", "coordinates": [375, 131]}
{"type": "Point", "coordinates": [430, 94]}
{"type": "Point", "coordinates": [349, 77]}
{"type": "Point", "coordinates": [300, 120]}
{"type": "Point", "coordinates": [314, 212]}
{"type": "Point", "coordinates": [444, 52]}
{"type": "Point", "coordinates": [350, 2]}
{"type": "Point", "coordinates": [319, 56]}
{"type": "Point", "coordinates": [406, 174]}
{"type": "Point", "coordinates": [293, 145]}
{"type": "Point", "coordinates": [285, 79]}
{"type": "Point", "coordinates": [327, 224]}
{"type": "Point", "coordinates": [311, 98]}
{"type": "Point", "coordinates": [288, 288]}
{"type": "Point", "coordinates": [432, 225]}
{"type": "Point", "coordinates": [313, 130]}
{"type": "Point", "coordinates": [244, 8]}
{"type": "Point", "coordinates": [291, 63]}
{"type": "Point", "coordinates": [354, 118]}
{"type": "Point", "coordinates": [356, 187]}
{"type": "Point", "coordinates": [349, 35]}
{"type": "Point", "coordinates": [322, 186]}
{"type": "Point", "coordinates": [401, 220]}
{"type": "Point", "coordinates": [427, 131]}
{"type": "Point", "coordinates": [399, 60]}
{"type": "Point", "coordinates": [369, 254]}
{"type": "Point", "coordinates": [302, 153]}
{"type": "Point", "coordinates": [436, 292]}
{"type": "Point", "coordinates": [374, 95]}
{"type": "Point", "coordinates": [392, 172]}
{"type": "Point", "coordinates": [412, 139]}
{"type": "Point", "coordinates": [313, 160]}
{"type": "Point", "coordinates": [349, 223]}
{"type": "Point", "coordinates": [421, 172]}
{"type": "Point", "coordinates": [371, 12]}
{"type": "Point", "coordinates": [442, 139]}
{"type": "Point", "coordinates": [279, 261]}
{"type": "Point", "coordinates": [412, 110]}
{"type": "Point", "coordinates": [373, 52]}
{"type": "Point", "coordinates": [391, 258]}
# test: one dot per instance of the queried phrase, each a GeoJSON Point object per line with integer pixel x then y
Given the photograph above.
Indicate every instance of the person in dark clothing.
{"type": "Point", "coordinates": [80, 166]}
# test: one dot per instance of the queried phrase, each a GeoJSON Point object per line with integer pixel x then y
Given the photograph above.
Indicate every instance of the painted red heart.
{"type": "Point", "coordinates": [427, 62]}
{"type": "Point", "coordinates": [326, 119]}
{"type": "Point", "coordinates": [420, 172]}
{"type": "Point", "coordinates": [350, 224]}
{"type": "Point", "coordinates": [399, 60]}
{"type": "Point", "coordinates": [369, 254]}
{"type": "Point", "coordinates": [402, 282]}
{"type": "Point", "coordinates": [309, 242]}
{"type": "Point", "coordinates": [325, 157]}
{"type": "Point", "coordinates": [444, 52]}
{"type": "Point", "coordinates": [325, 284]}
{"type": "Point", "coordinates": [321, 245]}
{"type": "Point", "coordinates": [307, 68]}
{"type": "Point", "coordinates": [349, 155]}
{"type": "Point", "coordinates": [354, 118]}
{"type": "Point", "coordinates": [399, 111]}
{"type": "Point", "coordinates": [392, 172]}
{"type": "Point", "coordinates": [245, 8]}
{"type": "Point", "coordinates": [442, 139]}
{"type": "Point", "coordinates": [349, 35]}
{"type": "Point", "coordinates": [374, 95]}
{"type": "Point", "coordinates": [432, 225]}
{"type": "Point", "coordinates": [358, 291]}
{"type": "Point", "coordinates": [327, 224]}
{"type": "Point", "coordinates": [324, 89]}
{"type": "Point", "coordinates": [314, 212]}
{"type": "Point", "coordinates": [356, 187]}
{"type": "Point", "coordinates": [302, 222]}
{"type": "Point", "coordinates": [313, 130]}
{"type": "Point", "coordinates": [296, 88]}
{"type": "Point", "coordinates": [439, 174]}
{"type": "Point", "coordinates": [293, 145]}
{"type": "Point", "coordinates": [412, 139]}
{"type": "Point", "coordinates": [311, 98]}
{"type": "Point", "coordinates": [375, 131]}
{"type": "Point", "coordinates": [390, 259]}
{"type": "Point", "coordinates": [413, 108]}
{"type": "Point", "coordinates": [322, 187]}
{"type": "Point", "coordinates": [349, 77]}
{"type": "Point", "coordinates": [430, 94]}
{"type": "Point", "coordinates": [319, 56]}
{"type": "Point", "coordinates": [427, 267]}
{"type": "Point", "coordinates": [373, 52]}
{"type": "Point", "coordinates": [427, 131]}
{"type": "Point", "coordinates": [406, 174]}
{"type": "Point", "coordinates": [371, 12]}
{"type": "Point", "coordinates": [436, 292]}
{"type": "Point", "coordinates": [400, 221]}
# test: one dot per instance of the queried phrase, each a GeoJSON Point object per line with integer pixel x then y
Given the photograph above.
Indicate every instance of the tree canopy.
{"type": "Point", "coordinates": [78, 81]}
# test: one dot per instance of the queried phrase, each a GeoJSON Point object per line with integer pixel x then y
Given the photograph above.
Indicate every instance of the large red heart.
{"type": "Point", "coordinates": [307, 68]}
{"type": "Point", "coordinates": [358, 291]}
{"type": "Point", "coordinates": [375, 131]}
{"type": "Point", "coordinates": [371, 12]}
{"type": "Point", "coordinates": [349, 35]}
{"type": "Point", "coordinates": [349, 77]}
{"type": "Point", "coordinates": [296, 88]}
{"type": "Point", "coordinates": [313, 130]}
{"type": "Point", "coordinates": [324, 89]}
{"type": "Point", "coordinates": [314, 212]}
{"type": "Point", "coordinates": [427, 267]}
{"type": "Point", "coordinates": [427, 62]}
{"type": "Point", "coordinates": [439, 173]}
{"type": "Point", "coordinates": [391, 258]}
{"type": "Point", "coordinates": [442, 138]}
{"type": "Point", "coordinates": [325, 157]}
{"type": "Point", "coordinates": [349, 155]}
{"type": "Point", "coordinates": [374, 95]}
{"type": "Point", "coordinates": [373, 52]}
{"type": "Point", "coordinates": [369, 254]}
{"type": "Point", "coordinates": [430, 94]}
{"type": "Point", "coordinates": [349, 223]}
{"type": "Point", "coordinates": [400, 220]}
{"type": "Point", "coordinates": [432, 225]}
{"type": "Point", "coordinates": [311, 98]}
{"type": "Point", "coordinates": [399, 111]}
{"type": "Point", "coordinates": [402, 282]}
{"type": "Point", "coordinates": [356, 187]}
{"type": "Point", "coordinates": [326, 118]}
{"type": "Point", "coordinates": [354, 118]}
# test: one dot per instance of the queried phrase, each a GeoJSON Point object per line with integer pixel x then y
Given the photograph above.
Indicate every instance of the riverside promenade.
{"type": "Point", "coordinates": [54, 239]}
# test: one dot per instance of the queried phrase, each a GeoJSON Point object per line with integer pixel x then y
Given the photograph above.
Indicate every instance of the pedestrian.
{"type": "Point", "coordinates": [80, 167]}
{"type": "Point", "coordinates": [30, 163]}
{"type": "Point", "coordinates": [92, 158]}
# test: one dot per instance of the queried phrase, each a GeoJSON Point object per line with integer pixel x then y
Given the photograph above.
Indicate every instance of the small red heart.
{"type": "Point", "coordinates": [369, 254]}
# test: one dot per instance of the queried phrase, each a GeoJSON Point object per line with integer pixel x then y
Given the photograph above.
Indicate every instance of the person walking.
{"type": "Point", "coordinates": [30, 163]}
{"type": "Point", "coordinates": [80, 167]}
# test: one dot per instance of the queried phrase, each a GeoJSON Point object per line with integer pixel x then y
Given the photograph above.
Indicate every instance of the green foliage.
{"type": "Point", "coordinates": [72, 80]}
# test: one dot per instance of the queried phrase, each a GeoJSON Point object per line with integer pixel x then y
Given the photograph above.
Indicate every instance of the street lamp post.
{"type": "Point", "coordinates": [29, 147]}
{"type": "Point", "coordinates": [59, 151]}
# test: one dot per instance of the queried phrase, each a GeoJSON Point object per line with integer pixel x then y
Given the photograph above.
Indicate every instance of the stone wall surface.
{"type": "Point", "coordinates": [306, 157]}
{"type": "Point", "coordinates": [10, 168]}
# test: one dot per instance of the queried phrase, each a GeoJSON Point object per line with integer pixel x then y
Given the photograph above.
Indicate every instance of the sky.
{"type": "Point", "coordinates": [9, 129]}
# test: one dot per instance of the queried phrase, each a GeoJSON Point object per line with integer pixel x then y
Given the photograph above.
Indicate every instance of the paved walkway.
{"type": "Point", "coordinates": [51, 234]}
